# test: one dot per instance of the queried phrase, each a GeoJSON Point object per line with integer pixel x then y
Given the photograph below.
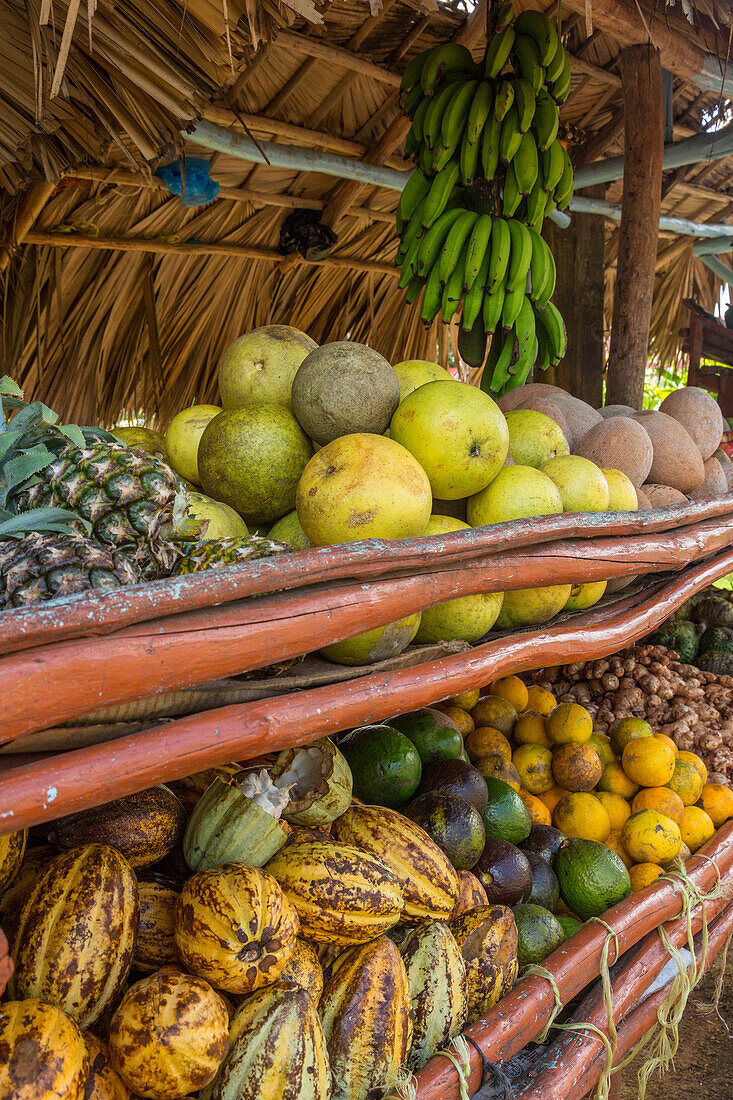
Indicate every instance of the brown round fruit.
{"type": "Point", "coordinates": [699, 414]}
{"type": "Point", "coordinates": [504, 872]}
{"type": "Point", "coordinates": [621, 443]}
{"type": "Point", "coordinates": [677, 461]}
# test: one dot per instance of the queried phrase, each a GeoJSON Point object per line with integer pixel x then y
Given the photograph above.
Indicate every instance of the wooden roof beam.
{"type": "Point", "coordinates": [336, 55]}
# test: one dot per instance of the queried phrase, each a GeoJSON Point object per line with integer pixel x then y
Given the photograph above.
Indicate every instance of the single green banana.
{"type": "Point", "coordinates": [413, 289]}
{"type": "Point", "coordinates": [432, 297]}
{"type": "Point", "coordinates": [412, 100]}
{"type": "Point", "coordinates": [536, 202]}
{"type": "Point", "coordinates": [524, 98]}
{"type": "Point", "coordinates": [478, 246]}
{"type": "Point", "coordinates": [519, 370]}
{"type": "Point", "coordinates": [511, 195]}
{"type": "Point", "coordinates": [498, 52]}
{"type": "Point", "coordinates": [543, 358]}
{"type": "Point", "coordinates": [419, 119]}
{"type": "Point", "coordinates": [504, 16]}
{"type": "Point", "coordinates": [413, 193]}
{"type": "Point", "coordinates": [539, 267]}
{"type": "Point", "coordinates": [538, 27]}
{"type": "Point", "coordinates": [491, 309]}
{"type": "Point", "coordinates": [411, 144]}
{"type": "Point", "coordinates": [413, 70]}
{"type": "Point", "coordinates": [437, 197]}
{"type": "Point", "coordinates": [409, 265]}
{"type": "Point", "coordinates": [452, 294]}
{"type": "Point", "coordinates": [526, 163]}
{"type": "Point", "coordinates": [503, 99]}
{"type": "Point", "coordinates": [455, 116]}
{"type": "Point", "coordinates": [425, 160]}
{"type": "Point", "coordinates": [468, 160]}
{"type": "Point", "coordinates": [433, 120]}
{"type": "Point", "coordinates": [550, 204]}
{"type": "Point", "coordinates": [549, 288]}
{"type": "Point", "coordinates": [521, 256]}
{"type": "Point", "coordinates": [450, 57]}
{"type": "Point", "coordinates": [452, 251]}
{"type": "Point", "coordinates": [413, 230]}
{"type": "Point", "coordinates": [512, 304]}
{"type": "Point", "coordinates": [556, 66]}
{"type": "Point", "coordinates": [490, 148]}
{"type": "Point", "coordinates": [563, 193]}
{"type": "Point", "coordinates": [507, 356]}
{"type": "Point", "coordinates": [546, 120]}
{"type": "Point", "coordinates": [527, 57]}
{"type": "Point", "coordinates": [501, 246]}
{"type": "Point", "coordinates": [553, 165]}
{"type": "Point", "coordinates": [481, 107]}
{"type": "Point", "coordinates": [472, 341]}
{"type": "Point", "coordinates": [511, 136]}
{"type": "Point", "coordinates": [474, 298]}
{"type": "Point", "coordinates": [559, 89]}
{"type": "Point", "coordinates": [554, 326]}
{"type": "Point", "coordinates": [433, 240]}
{"type": "Point", "coordinates": [524, 326]}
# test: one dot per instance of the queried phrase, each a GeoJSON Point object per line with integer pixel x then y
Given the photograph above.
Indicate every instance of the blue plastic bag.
{"type": "Point", "coordinates": [200, 188]}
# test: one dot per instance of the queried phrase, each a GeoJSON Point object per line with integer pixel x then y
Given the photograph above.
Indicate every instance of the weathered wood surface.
{"type": "Point", "coordinates": [103, 612]}
{"type": "Point", "coordinates": [56, 683]}
{"type": "Point", "coordinates": [40, 791]}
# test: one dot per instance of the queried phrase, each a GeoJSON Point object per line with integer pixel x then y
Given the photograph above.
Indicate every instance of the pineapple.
{"type": "Point", "coordinates": [41, 566]}
{"type": "Point", "coordinates": [219, 552]}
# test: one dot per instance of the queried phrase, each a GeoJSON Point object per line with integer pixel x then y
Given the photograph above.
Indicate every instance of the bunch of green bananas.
{"type": "Point", "coordinates": [465, 241]}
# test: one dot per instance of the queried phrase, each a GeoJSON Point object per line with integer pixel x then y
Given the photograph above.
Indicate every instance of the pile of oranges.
{"type": "Point", "coordinates": [633, 790]}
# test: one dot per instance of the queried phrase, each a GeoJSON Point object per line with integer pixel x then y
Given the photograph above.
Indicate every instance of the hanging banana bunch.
{"type": "Point", "coordinates": [490, 168]}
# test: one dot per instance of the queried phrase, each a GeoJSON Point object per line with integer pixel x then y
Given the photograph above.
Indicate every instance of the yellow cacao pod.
{"type": "Point", "coordinates": [155, 945]}
{"type": "Point", "coordinates": [75, 938]}
{"type": "Point", "coordinates": [35, 862]}
{"type": "Point", "coordinates": [305, 970]}
{"type": "Point", "coordinates": [228, 827]}
{"type": "Point", "coordinates": [367, 1020]}
{"type": "Point", "coordinates": [12, 850]}
{"type": "Point", "coordinates": [278, 1049]}
{"type": "Point", "coordinates": [428, 879]}
{"type": "Point", "coordinates": [341, 894]}
{"type": "Point", "coordinates": [487, 937]}
{"type": "Point", "coordinates": [471, 894]}
{"type": "Point", "coordinates": [169, 1035]}
{"type": "Point", "coordinates": [235, 927]}
{"type": "Point", "coordinates": [103, 1081]}
{"type": "Point", "coordinates": [436, 975]}
{"type": "Point", "coordinates": [42, 1053]}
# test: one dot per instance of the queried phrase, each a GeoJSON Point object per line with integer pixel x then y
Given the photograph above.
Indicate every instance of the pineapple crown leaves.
{"type": "Point", "coordinates": [39, 519]}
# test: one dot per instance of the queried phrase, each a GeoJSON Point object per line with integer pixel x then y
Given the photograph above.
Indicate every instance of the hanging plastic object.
{"type": "Point", "coordinates": [200, 188]}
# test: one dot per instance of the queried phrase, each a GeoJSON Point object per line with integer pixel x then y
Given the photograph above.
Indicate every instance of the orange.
{"type": "Point", "coordinates": [534, 764]}
{"type": "Point", "coordinates": [616, 807]}
{"type": "Point", "coordinates": [569, 722]}
{"type": "Point", "coordinates": [686, 781]}
{"type": "Point", "coordinates": [466, 700]}
{"type": "Point", "coordinates": [717, 801]}
{"type": "Point", "coordinates": [513, 690]}
{"type": "Point", "coordinates": [643, 874]}
{"type": "Point", "coordinates": [662, 800]}
{"type": "Point", "coordinates": [552, 797]}
{"type": "Point", "coordinates": [615, 780]}
{"type": "Point", "coordinates": [694, 759]}
{"type": "Point", "coordinates": [576, 767]}
{"type": "Point", "coordinates": [487, 742]}
{"type": "Point", "coordinates": [648, 761]}
{"type": "Point", "coordinates": [651, 837]}
{"type": "Point", "coordinates": [531, 729]}
{"type": "Point", "coordinates": [538, 812]}
{"type": "Point", "coordinates": [494, 767]}
{"type": "Point", "coordinates": [496, 712]}
{"type": "Point", "coordinates": [462, 718]}
{"type": "Point", "coordinates": [601, 745]}
{"type": "Point", "coordinates": [667, 741]}
{"type": "Point", "coordinates": [628, 729]}
{"type": "Point", "coordinates": [580, 814]}
{"type": "Point", "coordinates": [540, 700]}
{"type": "Point", "coordinates": [697, 827]}
{"type": "Point", "coordinates": [615, 843]}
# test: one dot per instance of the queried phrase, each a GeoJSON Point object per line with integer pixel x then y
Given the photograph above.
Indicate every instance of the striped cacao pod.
{"type": "Point", "coordinates": [436, 975]}
{"type": "Point", "coordinates": [235, 927]}
{"type": "Point", "coordinates": [155, 945]}
{"type": "Point", "coordinates": [428, 879]}
{"type": "Point", "coordinates": [487, 937]}
{"type": "Point", "coordinates": [322, 782]}
{"type": "Point", "coordinates": [42, 1053]}
{"type": "Point", "coordinates": [75, 938]}
{"type": "Point", "coordinates": [228, 827]}
{"type": "Point", "coordinates": [145, 826]}
{"type": "Point", "coordinates": [278, 1049]}
{"type": "Point", "coordinates": [471, 894]}
{"type": "Point", "coordinates": [305, 970]}
{"type": "Point", "coordinates": [367, 1020]}
{"type": "Point", "coordinates": [341, 894]}
{"type": "Point", "coordinates": [169, 1035]}
{"type": "Point", "coordinates": [12, 850]}
{"type": "Point", "coordinates": [103, 1081]}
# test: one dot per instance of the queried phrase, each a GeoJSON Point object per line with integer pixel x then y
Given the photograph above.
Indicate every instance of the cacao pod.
{"type": "Point", "coordinates": [305, 970]}
{"type": "Point", "coordinates": [428, 879]}
{"type": "Point", "coordinates": [471, 894]}
{"type": "Point", "coordinates": [169, 1035]}
{"type": "Point", "coordinates": [228, 827]}
{"type": "Point", "coordinates": [103, 1081]}
{"type": "Point", "coordinates": [12, 850]}
{"type": "Point", "coordinates": [75, 938]}
{"type": "Point", "coordinates": [487, 937]}
{"type": "Point", "coordinates": [35, 861]}
{"type": "Point", "coordinates": [367, 1020]}
{"type": "Point", "coordinates": [155, 945]}
{"type": "Point", "coordinates": [42, 1053]}
{"type": "Point", "coordinates": [278, 1049]}
{"type": "Point", "coordinates": [322, 782]}
{"type": "Point", "coordinates": [341, 894]}
{"type": "Point", "coordinates": [436, 975]}
{"type": "Point", "coordinates": [190, 789]}
{"type": "Point", "coordinates": [145, 826]}
{"type": "Point", "coordinates": [235, 927]}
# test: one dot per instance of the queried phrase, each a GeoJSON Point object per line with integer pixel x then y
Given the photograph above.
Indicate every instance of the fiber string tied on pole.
{"type": "Point", "coordinates": [461, 1059]}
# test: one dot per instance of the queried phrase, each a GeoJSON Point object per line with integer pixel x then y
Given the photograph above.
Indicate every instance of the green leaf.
{"type": "Point", "coordinates": [40, 519]}
{"type": "Point", "coordinates": [8, 387]}
{"type": "Point", "coordinates": [20, 469]}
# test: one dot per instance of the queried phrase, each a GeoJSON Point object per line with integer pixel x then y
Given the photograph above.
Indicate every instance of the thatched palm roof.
{"type": "Point", "coordinates": [96, 331]}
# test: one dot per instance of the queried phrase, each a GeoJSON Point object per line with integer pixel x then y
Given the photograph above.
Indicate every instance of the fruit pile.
{"type": "Point", "coordinates": [490, 168]}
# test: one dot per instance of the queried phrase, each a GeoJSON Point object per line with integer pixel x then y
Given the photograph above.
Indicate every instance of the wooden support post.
{"type": "Point", "coordinates": [578, 252]}
{"type": "Point", "coordinates": [641, 76]}
{"type": "Point", "coordinates": [30, 207]}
